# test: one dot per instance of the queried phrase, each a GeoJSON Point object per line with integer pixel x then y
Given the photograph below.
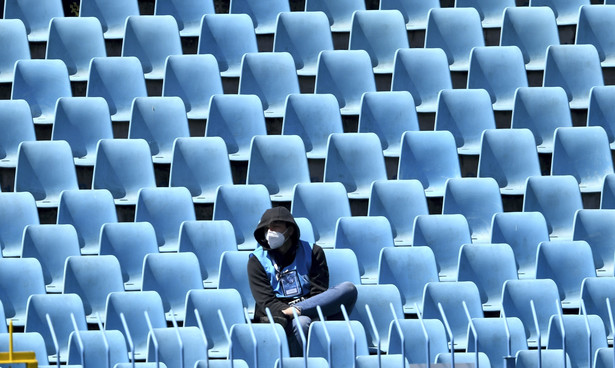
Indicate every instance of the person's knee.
{"type": "Point", "coordinates": [348, 290]}
{"type": "Point", "coordinates": [303, 322]}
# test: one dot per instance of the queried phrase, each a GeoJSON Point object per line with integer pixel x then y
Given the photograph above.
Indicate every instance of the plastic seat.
{"type": "Point", "coordinates": [45, 169]}
{"type": "Point", "coordinates": [430, 157]}
{"type": "Point", "coordinates": [389, 115]}
{"type": "Point", "coordinates": [423, 73]}
{"type": "Point", "coordinates": [593, 28]}
{"type": "Point", "coordinates": [312, 117]}
{"type": "Point", "coordinates": [343, 265]}
{"type": "Point", "coordinates": [444, 234]}
{"type": "Point", "coordinates": [451, 295]}
{"type": "Point", "coordinates": [339, 13]}
{"type": "Point", "coordinates": [414, 342]}
{"type": "Point", "coordinates": [207, 240]}
{"type": "Point", "coordinates": [96, 346]}
{"type": "Point", "coordinates": [31, 341]}
{"type": "Point", "coordinates": [456, 31]}
{"type": "Point", "coordinates": [594, 293]}
{"type": "Point", "coordinates": [159, 120]}
{"type": "Point", "coordinates": [548, 359]}
{"type": "Point", "coordinates": [576, 68]}
{"type": "Point", "coordinates": [133, 305]}
{"type": "Point", "coordinates": [381, 33]}
{"type": "Point", "coordinates": [82, 122]}
{"type": "Point", "coordinates": [510, 157]}
{"type": "Point", "coordinates": [51, 245]}
{"type": "Point", "coordinates": [541, 110]}
{"type": "Point", "coordinates": [400, 201]}
{"type": "Point", "coordinates": [463, 358]}
{"type": "Point", "coordinates": [500, 71]}
{"type": "Point", "coordinates": [304, 35]}
{"type": "Point", "coordinates": [200, 164]}
{"type": "Point", "coordinates": [194, 78]}
{"type": "Point", "coordinates": [59, 308]}
{"type": "Point", "coordinates": [322, 204]}
{"type": "Point", "coordinates": [93, 278]}
{"type": "Point", "coordinates": [258, 344]}
{"type": "Point", "coordinates": [347, 74]}
{"type": "Point", "coordinates": [584, 153]}
{"type": "Point", "coordinates": [603, 358]}
{"type": "Point", "coordinates": [488, 266]}
{"type": "Point", "coordinates": [172, 275]}
{"type": "Point", "coordinates": [118, 80]}
{"type": "Point", "coordinates": [14, 41]}
{"type": "Point", "coordinates": [366, 236]}
{"type": "Point", "coordinates": [34, 15]}
{"type": "Point", "coordinates": [41, 83]}
{"type": "Point", "coordinates": [355, 160]}
{"type": "Point", "coordinates": [16, 123]}
{"type": "Point", "coordinates": [341, 349]}
{"type": "Point", "coordinates": [600, 112]}
{"type": "Point", "coordinates": [177, 348]}
{"type": "Point", "coordinates": [242, 206]}
{"type": "Point", "coordinates": [516, 297]}
{"type": "Point", "coordinates": [236, 119]}
{"type": "Point", "coordinates": [409, 269]}
{"type": "Point", "coordinates": [75, 41]}
{"type": "Point", "coordinates": [557, 198]}
{"type": "Point", "coordinates": [227, 37]}
{"type": "Point", "coordinates": [588, 329]}
{"type": "Point", "coordinates": [234, 275]}
{"type": "Point", "coordinates": [263, 15]}
{"type": "Point", "coordinates": [306, 229]}
{"type": "Point", "coordinates": [594, 227]}
{"type": "Point", "coordinates": [523, 231]}
{"type": "Point", "coordinates": [271, 77]}
{"type": "Point", "coordinates": [490, 11]}
{"type": "Point", "coordinates": [21, 278]}
{"type": "Point", "coordinates": [478, 199]}
{"type": "Point", "coordinates": [532, 30]}
{"type": "Point", "coordinates": [567, 263]}
{"type": "Point", "coordinates": [17, 210]}
{"type": "Point", "coordinates": [466, 113]}
{"type": "Point", "coordinates": [123, 167]}
{"type": "Point", "coordinates": [278, 162]}
{"type": "Point", "coordinates": [566, 11]}
{"type": "Point", "coordinates": [112, 14]}
{"type": "Point", "coordinates": [129, 243]}
{"type": "Point", "coordinates": [208, 303]}
{"type": "Point", "coordinates": [414, 11]}
{"type": "Point", "coordinates": [494, 341]}
{"type": "Point", "coordinates": [607, 198]}
{"type": "Point", "coordinates": [187, 14]}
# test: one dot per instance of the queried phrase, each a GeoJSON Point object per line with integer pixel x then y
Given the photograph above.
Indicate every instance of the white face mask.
{"type": "Point", "coordinates": [275, 239]}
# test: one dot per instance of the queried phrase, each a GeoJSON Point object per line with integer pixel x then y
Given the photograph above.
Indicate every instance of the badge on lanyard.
{"type": "Point", "coordinates": [291, 286]}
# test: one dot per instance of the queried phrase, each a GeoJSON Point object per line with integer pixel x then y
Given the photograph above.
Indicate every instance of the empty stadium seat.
{"type": "Point", "coordinates": [414, 341]}
{"type": "Point", "coordinates": [339, 13]}
{"type": "Point", "coordinates": [600, 111]}
{"type": "Point", "coordinates": [490, 11]}
{"type": "Point", "coordinates": [264, 15]}
{"type": "Point", "coordinates": [594, 27]}
{"type": "Point", "coordinates": [188, 14]}
{"type": "Point", "coordinates": [343, 265]}
{"type": "Point", "coordinates": [99, 347]}
{"type": "Point", "coordinates": [14, 41]}
{"type": "Point", "coordinates": [607, 198]}
{"type": "Point", "coordinates": [332, 340]}
{"type": "Point", "coordinates": [31, 341]}
{"type": "Point", "coordinates": [414, 11]}
{"type": "Point", "coordinates": [17, 210]}
{"type": "Point", "coordinates": [112, 14]}
{"type": "Point", "coordinates": [566, 11]}
{"type": "Point", "coordinates": [234, 275]}
{"type": "Point", "coordinates": [594, 293]}
{"type": "Point", "coordinates": [577, 328]}
{"type": "Point", "coordinates": [594, 227]}
{"type": "Point", "coordinates": [176, 347]}
{"type": "Point", "coordinates": [498, 338]}
{"type": "Point", "coordinates": [16, 123]}
{"type": "Point", "coordinates": [34, 15]}
{"type": "Point", "coordinates": [21, 279]}
{"type": "Point", "coordinates": [259, 344]}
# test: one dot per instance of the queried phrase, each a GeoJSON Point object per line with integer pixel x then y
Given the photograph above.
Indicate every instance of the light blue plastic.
{"type": "Point", "coordinates": [594, 293]}
{"type": "Point", "coordinates": [188, 14]}
{"type": "Point", "coordinates": [603, 358]}
{"type": "Point", "coordinates": [177, 348]}
{"type": "Point", "coordinates": [234, 275]}
{"type": "Point", "coordinates": [566, 11]}
{"type": "Point", "coordinates": [263, 14]}
{"type": "Point", "coordinates": [593, 28]}
{"type": "Point", "coordinates": [31, 341]}
{"type": "Point", "coordinates": [414, 11]}
{"type": "Point", "coordinates": [17, 126]}
{"type": "Point", "coordinates": [490, 10]}
{"type": "Point", "coordinates": [548, 359]}
{"type": "Point", "coordinates": [35, 16]}
{"type": "Point", "coordinates": [577, 337]}
{"type": "Point", "coordinates": [339, 12]}
{"type": "Point", "coordinates": [343, 351]}
{"type": "Point", "coordinates": [264, 351]}
{"type": "Point", "coordinates": [601, 112]}
{"type": "Point", "coordinates": [414, 343]}
{"type": "Point", "coordinates": [343, 266]}
{"type": "Point", "coordinates": [607, 198]}
{"type": "Point", "coordinates": [95, 345]}
{"type": "Point", "coordinates": [21, 278]}
{"type": "Point", "coordinates": [494, 341]}
{"type": "Point", "coordinates": [14, 42]}
{"type": "Point", "coordinates": [17, 210]}
{"type": "Point", "coordinates": [112, 14]}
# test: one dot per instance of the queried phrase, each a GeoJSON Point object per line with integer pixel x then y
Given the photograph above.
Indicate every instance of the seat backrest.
{"type": "Point", "coordinates": [16, 123]}
{"type": "Point", "coordinates": [177, 347]}
{"type": "Point", "coordinates": [594, 292]}
{"type": "Point", "coordinates": [112, 14]}
{"type": "Point", "coordinates": [343, 266]}
{"type": "Point", "coordinates": [233, 275]}
{"type": "Point", "coordinates": [270, 339]}
{"type": "Point", "coordinates": [30, 341]}
{"type": "Point", "coordinates": [414, 342]}
{"type": "Point", "coordinates": [566, 11]}
{"type": "Point", "coordinates": [96, 346]}
{"type": "Point", "coordinates": [15, 41]}
{"type": "Point", "coordinates": [343, 351]}
{"type": "Point", "coordinates": [21, 278]}
{"type": "Point", "coordinates": [592, 28]}
{"type": "Point", "coordinates": [494, 341]}
{"type": "Point", "coordinates": [490, 11]}
{"type": "Point", "coordinates": [263, 15]}
{"type": "Point", "coordinates": [578, 328]}
{"type": "Point", "coordinates": [339, 13]}
{"type": "Point", "coordinates": [35, 16]}
{"type": "Point", "coordinates": [548, 358]}
{"type": "Point", "coordinates": [414, 11]}
{"type": "Point", "coordinates": [593, 226]}
{"type": "Point", "coordinates": [188, 14]}
{"type": "Point", "coordinates": [600, 112]}
{"type": "Point", "coordinates": [17, 210]}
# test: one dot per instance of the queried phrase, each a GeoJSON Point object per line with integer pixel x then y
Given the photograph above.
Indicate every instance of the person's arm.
{"type": "Point", "coordinates": [319, 273]}
{"type": "Point", "coordinates": [261, 288]}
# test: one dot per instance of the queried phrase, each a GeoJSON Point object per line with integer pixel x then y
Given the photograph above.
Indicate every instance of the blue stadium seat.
{"type": "Point", "coordinates": [594, 27]}
{"type": "Point", "coordinates": [332, 340]}
{"type": "Point", "coordinates": [607, 197]}
{"type": "Point", "coordinates": [258, 344]}
{"type": "Point", "coordinates": [584, 153]}
{"type": "Point", "coordinates": [16, 123]}
{"type": "Point", "coordinates": [343, 265]}
{"type": "Point", "coordinates": [188, 14]}
{"type": "Point", "coordinates": [456, 31]}
{"type": "Point", "coordinates": [264, 15]}
{"type": "Point", "coordinates": [242, 206]}
{"type": "Point", "coordinates": [129, 242]}
{"type": "Point", "coordinates": [541, 110]}
{"type": "Point", "coordinates": [278, 162]}
{"type": "Point", "coordinates": [548, 359]}
{"type": "Point", "coordinates": [51, 245]}
{"type": "Point", "coordinates": [494, 341]}
{"type": "Point", "coordinates": [604, 356]}
{"type": "Point", "coordinates": [414, 11]}
{"type": "Point", "coordinates": [477, 199]}
{"type": "Point", "coordinates": [207, 240]}
{"type": "Point", "coordinates": [236, 119]}
{"type": "Point", "coordinates": [567, 263]}
{"type": "Point", "coordinates": [463, 358]}
{"type": "Point", "coordinates": [594, 227]}
{"type": "Point", "coordinates": [523, 231]}
{"type": "Point", "coordinates": [566, 11]}
{"type": "Point", "coordinates": [82, 122]}
{"type": "Point", "coordinates": [389, 115]}
{"type": "Point", "coordinates": [594, 294]}
{"type": "Point", "coordinates": [21, 278]}
{"type": "Point", "coordinates": [31, 341]}
{"type": "Point", "coordinates": [93, 278]}
{"type": "Point", "coordinates": [510, 157]}
{"type": "Point", "coordinates": [35, 16]}
{"type": "Point", "coordinates": [339, 13]}
{"type": "Point", "coordinates": [347, 74]}
{"type": "Point", "coordinates": [118, 80]}
{"type": "Point", "coordinates": [466, 113]}
{"type": "Point", "coordinates": [234, 275]}
{"type": "Point", "coordinates": [366, 236]}
{"type": "Point", "coordinates": [355, 160]}
{"type": "Point", "coordinates": [414, 343]}
{"type": "Point", "coordinates": [41, 83]}
{"type": "Point", "coordinates": [490, 11]}
{"type": "Point", "coordinates": [14, 41]}
{"type": "Point", "coordinates": [194, 78]}
{"type": "Point", "coordinates": [576, 68]}
{"type": "Point", "coordinates": [400, 201]}
{"type": "Point", "coordinates": [201, 176]}
{"type": "Point", "coordinates": [159, 120]}
{"type": "Point", "coordinates": [601, 112]}
{"type": "Point", "coordinates": [306, 229]}
{"type": "Point", "coordinates": [532, 30]}
{"type": "Point", "coordinates": [17, 210]}
{"type": "Point", "coordinates": [45, 169]}
{"type": "Point", "coordinates": [577, 328]}
{"type": "Point", "coordinates": [177, 347]}
{"type": "Point", "coordinates": [444, 234]}
{"type": "Point", "coordinates": [423, 73]}
{"type": "Point", "coordinates": [100, 348]}
{"type": "Point", "coordinates": [75, 41]}
{"type": "Point", "coordinates": [557, 198]}
{"type": "Point", "coordinates": [112, 14]}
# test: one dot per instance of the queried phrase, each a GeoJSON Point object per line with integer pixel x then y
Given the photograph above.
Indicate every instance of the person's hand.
{"type": "Point", "coordinates": [289, 311]}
